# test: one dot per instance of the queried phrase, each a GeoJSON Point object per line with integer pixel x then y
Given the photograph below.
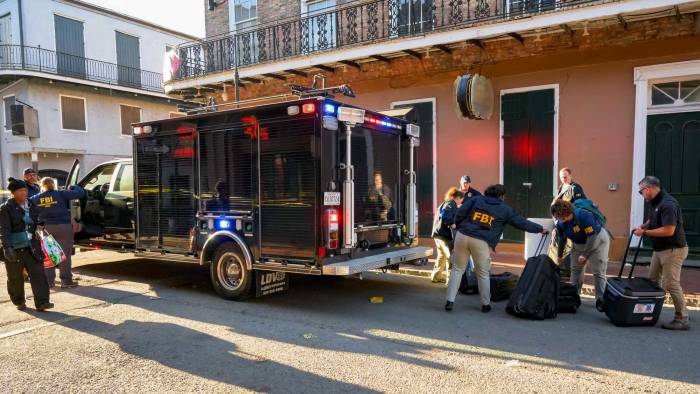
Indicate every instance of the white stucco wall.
{"type": "Point", "coordinates": [58, 148]}
{"type": "Point", "coordinates": [99, 31]}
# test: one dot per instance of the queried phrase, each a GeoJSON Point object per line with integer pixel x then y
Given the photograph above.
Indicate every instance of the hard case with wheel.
{"type": "Point", "coordinates": [632, 301]}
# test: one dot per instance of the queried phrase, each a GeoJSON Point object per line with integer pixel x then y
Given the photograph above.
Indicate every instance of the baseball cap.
{"type": "Point", "coordinates": [466, 178]}
{"type": "Point", "coordinates": [29, 170]}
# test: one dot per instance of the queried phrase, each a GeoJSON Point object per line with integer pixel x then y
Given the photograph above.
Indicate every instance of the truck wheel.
{"type": "Point", "coordinates": [229, 275]}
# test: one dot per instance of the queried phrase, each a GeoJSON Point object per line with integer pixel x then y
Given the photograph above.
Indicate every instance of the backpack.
{"type": "Point", "coordinates": [591, 207]}
{"type": "Point", "coordinates": [440, 229]}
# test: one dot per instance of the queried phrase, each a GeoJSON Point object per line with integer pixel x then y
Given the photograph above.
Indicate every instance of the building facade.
{"type": "Point", "coordinates": [89, 72]}
{"type": "Point", "coordinates": [609, 88]}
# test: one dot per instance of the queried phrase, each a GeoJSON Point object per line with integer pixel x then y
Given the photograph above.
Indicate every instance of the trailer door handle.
{"type": "Point", "coordinates": [527, 185]}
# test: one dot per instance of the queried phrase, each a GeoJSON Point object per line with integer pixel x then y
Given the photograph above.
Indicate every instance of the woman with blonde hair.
{"type": "Point", "coordinates": [442, 232]}
{"type": "Point", "coordinates": [53, 207]}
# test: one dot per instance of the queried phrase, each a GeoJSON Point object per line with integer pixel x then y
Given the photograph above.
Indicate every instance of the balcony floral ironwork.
{"type": "Point", "coordinates": [16, 57]}
{"type": "Point", "coordinates": [352, 24]}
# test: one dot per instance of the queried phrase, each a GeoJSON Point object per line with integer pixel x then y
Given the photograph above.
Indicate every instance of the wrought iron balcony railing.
{"type": "Point", "coordinates": [16, 57]}
{"type": "Point", "coordinates": [352, 24]}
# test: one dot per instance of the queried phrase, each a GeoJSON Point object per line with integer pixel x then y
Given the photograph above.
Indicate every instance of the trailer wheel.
{"type": "Point", "coordinates": [229, 275]}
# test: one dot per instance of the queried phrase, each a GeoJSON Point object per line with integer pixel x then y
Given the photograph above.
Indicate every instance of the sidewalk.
{"type": "Point", "coordinates": [514, 262]}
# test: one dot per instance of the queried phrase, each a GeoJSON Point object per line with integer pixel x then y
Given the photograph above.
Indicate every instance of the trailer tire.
{"type": "Point", "coordinates": [229, 275]}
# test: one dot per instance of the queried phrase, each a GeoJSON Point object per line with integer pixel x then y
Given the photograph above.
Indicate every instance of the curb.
{"type": "Point", "coordinates": [691, 300]}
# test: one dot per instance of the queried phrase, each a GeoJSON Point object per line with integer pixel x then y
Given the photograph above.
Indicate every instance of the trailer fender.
{"type": "Point", "coordinates": [215, 239]}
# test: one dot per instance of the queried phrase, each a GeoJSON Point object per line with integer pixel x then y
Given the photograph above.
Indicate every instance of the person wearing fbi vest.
{"type": "Point", "coordinates": [591, 244]}
{"type": "Point", "coordinates": [54, 209]}
{"type": "Point", "coordinates": [480, 222]}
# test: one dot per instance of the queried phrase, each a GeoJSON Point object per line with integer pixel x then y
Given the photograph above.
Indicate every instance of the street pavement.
{"type": "Point", "coordinates": [149, 326]}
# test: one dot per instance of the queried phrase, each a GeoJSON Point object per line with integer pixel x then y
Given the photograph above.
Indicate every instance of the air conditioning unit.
{"type": "Point", "coordinates": [24, 121]}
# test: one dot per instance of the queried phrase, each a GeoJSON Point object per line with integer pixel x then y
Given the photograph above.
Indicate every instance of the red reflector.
{"type": "Point", "coordinates": [333, 244]}
{"type": "Point", "coordinates": [308, 108]}
{"type": "Point", "coordinates": [321, 251]}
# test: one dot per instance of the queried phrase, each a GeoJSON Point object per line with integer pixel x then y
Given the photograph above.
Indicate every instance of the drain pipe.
{"type": "Point", "coordinates": [21, 32]}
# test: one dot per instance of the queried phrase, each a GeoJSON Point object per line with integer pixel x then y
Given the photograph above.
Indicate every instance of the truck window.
{"type": "Point", "coordinates": [125, 179]}
{"type": "Point", "coordinates": [100, 177]}
{"type": "Point", "coordinates": [375, 156]}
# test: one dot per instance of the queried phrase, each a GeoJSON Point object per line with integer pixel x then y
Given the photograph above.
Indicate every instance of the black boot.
{"type": "Point", "coordinates": [599, 306]}
{"type": "Point", "coordinates": [449, 305]}
{"type": "Point", "coordinates": [486, 308]}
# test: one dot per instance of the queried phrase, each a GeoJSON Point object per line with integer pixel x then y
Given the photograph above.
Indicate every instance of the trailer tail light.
{"type": "Point", "coordinates": [308, 108]}
{"type": "Point", "coordinates": [138, 130]}
{"type": "Point", "coordinates": [332, 229]}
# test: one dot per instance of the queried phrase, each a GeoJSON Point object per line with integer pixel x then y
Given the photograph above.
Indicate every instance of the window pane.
{"type": "Point", "coordinates": [245, 9]}
{"type": "Point", "coordinates": [129, 115]}
{"type": "Point", "coordinates": [690, 91]}
{"type": "Point", "coordinates": [99, 178]}
{"type": "Point", "coordinates": [125, 179]}
{"type": "Point", "coordinates": [9, 101]}
{"type": "Point", "coordinates": [73, 113]}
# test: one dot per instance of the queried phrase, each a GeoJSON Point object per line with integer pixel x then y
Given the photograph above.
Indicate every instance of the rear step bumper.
{"type": "Point", "coordinates": [355, 266]}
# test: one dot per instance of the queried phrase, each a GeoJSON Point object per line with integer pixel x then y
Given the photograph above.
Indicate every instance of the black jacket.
{"type": "Point", "coordinates": [444, 217]}
{"type": "Point", "coordinates": [485, 218]}
{"type": "Point", "coordinates": [12, 221]}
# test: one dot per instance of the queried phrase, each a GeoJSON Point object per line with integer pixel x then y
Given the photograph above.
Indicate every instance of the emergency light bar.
{"type": "Point", "coordinates": [351, 115]}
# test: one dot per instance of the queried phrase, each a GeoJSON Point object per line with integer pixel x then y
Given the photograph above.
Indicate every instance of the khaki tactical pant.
{"type": "Point", "coordinates": [665, 269]}
{"type": "Point", "coordinates": [442, 262]}
{"type": "Point", "coordinates": [466, 247]}
{"type": "Point", "coordinates": [598, 261]}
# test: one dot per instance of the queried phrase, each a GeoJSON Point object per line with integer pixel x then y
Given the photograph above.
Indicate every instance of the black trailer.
{"type": "Point", "coordinates": [309, 186]}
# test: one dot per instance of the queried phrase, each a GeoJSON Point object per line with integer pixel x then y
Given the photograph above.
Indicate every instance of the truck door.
{"type": "Point", "coordinates": [92, 212]}
{"type": "Point", "coordinates": [119, 204]}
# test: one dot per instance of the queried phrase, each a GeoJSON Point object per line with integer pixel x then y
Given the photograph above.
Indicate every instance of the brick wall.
{"type": "Point", "coordinates": [216, 22]}
{"type": "Point", "coordinates": [508, 57]}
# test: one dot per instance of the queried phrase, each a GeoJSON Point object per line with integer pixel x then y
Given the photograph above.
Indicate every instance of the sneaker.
{"type": "Point", "coordinates": [69, 285]}
{"type": "Point", "coordinates": [485, 308]}
{"type": "Point", "coordinates": [449, 305]}
{"type": "Point", "coordinates": [21, 307]}
{"type": "Point", "coordinates": [599, 306]}
{"type": "Point", "coordinates": [676, 324]}
{"type": "Point", "coordinates": [44, 306]}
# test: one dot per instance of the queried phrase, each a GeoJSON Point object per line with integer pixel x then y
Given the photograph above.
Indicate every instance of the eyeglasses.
{"type": "Point", "coordinates": [641, 191]}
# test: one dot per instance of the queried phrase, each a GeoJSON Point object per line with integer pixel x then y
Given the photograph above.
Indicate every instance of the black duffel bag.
{"type": "Point", "coordinates": [502, 286]}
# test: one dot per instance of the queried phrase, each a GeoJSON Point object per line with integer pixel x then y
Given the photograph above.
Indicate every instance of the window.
{"type": "Point", "coordinates": [245, 13]}
{"type": "Point", "coordinates": [100, 178]}
{"type": "Point", "coordinates": [129, 115]}
{"type": "Point", "coordinates": [125, 179]}
{"type": "Point", "coordinates": [676, 93]}
{"type": "Point", "coordinates": [411, 16]}
{"type": "Point", "coordinates": [9, 101]}
{"type": "Point", "coordinates": [322, 27]}
{"type": "Point", "coordinates": [73, 113]}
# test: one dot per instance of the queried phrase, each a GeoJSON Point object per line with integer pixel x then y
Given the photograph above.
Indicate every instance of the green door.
{"type": "Point", "coordinates": [673, 155]}
{"type": "Point", "coordinates": [424, 166]}
{"type": "Point", "coordinates": [528, 147]}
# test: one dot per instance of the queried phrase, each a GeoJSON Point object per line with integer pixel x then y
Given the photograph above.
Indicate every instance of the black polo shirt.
{"type": "Point", "coordinates": [665, 211]}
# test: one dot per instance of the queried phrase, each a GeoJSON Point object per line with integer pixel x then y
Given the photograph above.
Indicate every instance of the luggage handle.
{"type": "Point", "coordinates": [634, 260]}
{"type": "Point", "coordinates": [541, 244]}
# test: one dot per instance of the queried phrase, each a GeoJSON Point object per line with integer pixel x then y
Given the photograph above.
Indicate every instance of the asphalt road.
{"type": "Point", "coordinates": [146, 326]}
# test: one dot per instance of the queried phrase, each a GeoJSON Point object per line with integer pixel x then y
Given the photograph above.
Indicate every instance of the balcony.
{"type": "Point", "coordinates": [354, 24]}
{"type": "Point", "coordinates": [32, 59]}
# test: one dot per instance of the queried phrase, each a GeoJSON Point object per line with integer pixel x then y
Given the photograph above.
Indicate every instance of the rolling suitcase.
{"type": "Point", "coordinates": [468, 284]}
{"type": "Point", "coordinates": [537, 293]}
{"type": "Point", "coordinates": [632, 301]}
{"type": "Point", "coordinates": [569, 300]}
{"type": "Point", "coordinates": [502, 286]}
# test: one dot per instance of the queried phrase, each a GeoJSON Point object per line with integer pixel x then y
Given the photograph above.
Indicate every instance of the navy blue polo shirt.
{"type": "Point", "coordinates": [578, 230]}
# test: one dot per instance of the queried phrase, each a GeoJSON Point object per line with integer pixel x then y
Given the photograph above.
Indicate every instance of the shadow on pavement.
{"type": "Point", "coordinates": [410, 322]}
